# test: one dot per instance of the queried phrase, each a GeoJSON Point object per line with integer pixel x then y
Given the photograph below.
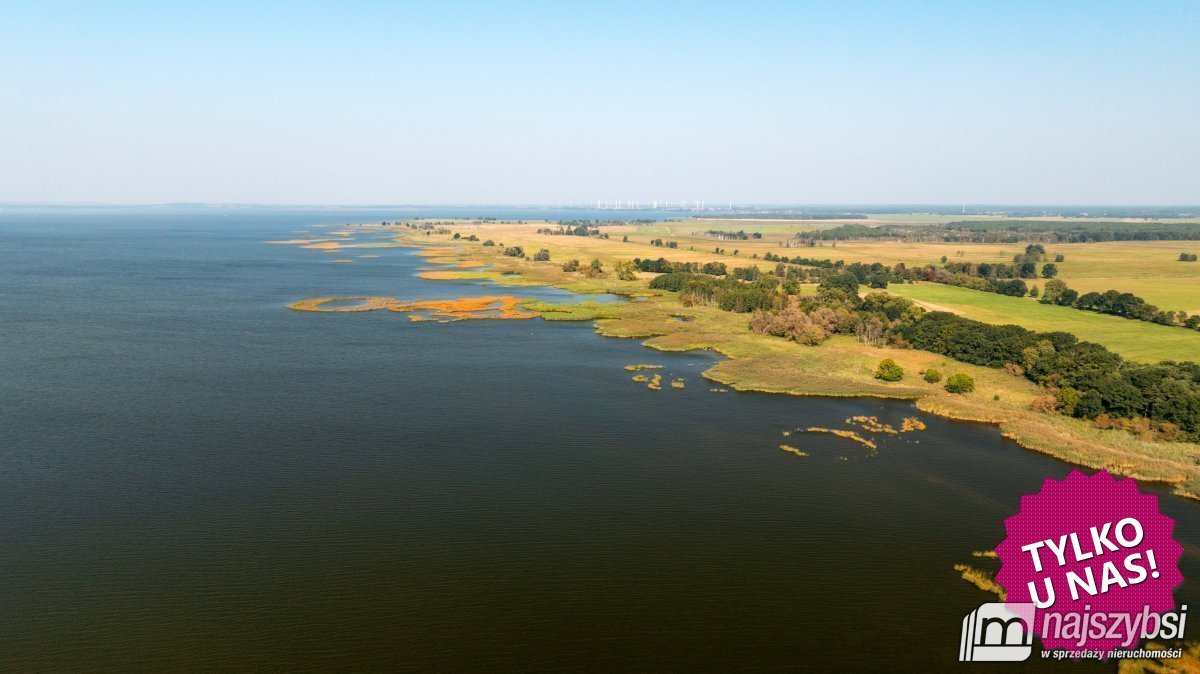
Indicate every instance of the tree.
{"type": "Point", "coordinates": [626, 270]}
{"type": "Point", "coordinates": [932, 376]}
{"type": "Point", "coordinates": [541, 256]}
{"type": "Point", "coordinates": [1049, 270]}
{"type": "Point", "coordinates": [1033, 292]}
{"type": "Point", "coordinates": [960, 383]}
{"type": "Point", "coordinates": [889, 370]}
{"type": "Point", "coordinates": [1059, 258]}
{"type": "Point", "coordinates": [514, 251]}
{"type": "Point", "coordinates": [845, 281]}
{"type": "Point", "coordinates": [1068, 399]}
{"type": "Point", "coordinates": [1054, 291]}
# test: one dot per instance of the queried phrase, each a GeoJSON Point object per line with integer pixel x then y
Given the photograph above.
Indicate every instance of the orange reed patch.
{"type": "Point", "coordinates": [461, 264]}
{"type": "Point", "coordinates": [469, 307]}
{"type": "Point", "coordinates": [440, 275]}
{"type": "Point", "coordinates": [463, 308]}
{"type": "Point", "coordinates": [327, 245]}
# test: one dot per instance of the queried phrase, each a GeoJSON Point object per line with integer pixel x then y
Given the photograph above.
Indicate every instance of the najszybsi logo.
{"type": "Point", "coordinates": [997, 633]}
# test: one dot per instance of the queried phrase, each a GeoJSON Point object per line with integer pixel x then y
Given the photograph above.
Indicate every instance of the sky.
{"type": "Point", "coordinates": [565, 102]}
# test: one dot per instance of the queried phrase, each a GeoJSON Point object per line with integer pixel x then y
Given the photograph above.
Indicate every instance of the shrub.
{"type": "Point", "coordinates": [594, 269]}
{"type": "Point", "coordinates": [1014, 369]}
{"type": "Point", "coordinates": [889, 370]}
{"type": "Point", "coordinates": [933, 376]}
{"type": "Point", "coordinates": [960, 383]}
{"type": "Point", "coordinates": [514, 251]}
{"type": "Point", "coordinates": [1044, 404]}
{"type": "Point", "coordinates": [541, 256]}
{"type": "Point", "coordinates": [489, 242]}
{"type": "Point", "coordinates": [571, 265]}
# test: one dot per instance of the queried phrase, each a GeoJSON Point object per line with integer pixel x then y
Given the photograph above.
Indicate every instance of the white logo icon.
{"type": "Point", "coordinates": [997, 633]}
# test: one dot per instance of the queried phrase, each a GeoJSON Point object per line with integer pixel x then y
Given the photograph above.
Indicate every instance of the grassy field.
{"type": "Point", "coordinates": [1149, 269]}
{"type": "Point", "coordinates": [1135, 340]}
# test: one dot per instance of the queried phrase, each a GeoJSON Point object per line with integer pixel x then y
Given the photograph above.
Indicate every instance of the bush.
{"type": "Point", "coordinates": [571, 265]}
{"type": "Point", "coordinates": [1044, 404]}
{"type": "Point", "coordinates": [1014, 369]}
{"type": "Point", "coordinates": [960, 383]}
{"type": "Point", "coordinates": [933, 376]}
{"type": "Point", "coordinates": [541, 256]}
{"type": "Point", "coordinates": [489, 242]}
{"type": "Point", "coordinates": [889, 370]}
{"type": "Point", "coordinates": [514, 251]}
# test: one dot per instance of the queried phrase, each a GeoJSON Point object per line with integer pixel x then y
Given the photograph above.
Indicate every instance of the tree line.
{"type": "Point", "coordinates": [1085, 380]}
{"type": "Point", "coordinates": [1012, 231]}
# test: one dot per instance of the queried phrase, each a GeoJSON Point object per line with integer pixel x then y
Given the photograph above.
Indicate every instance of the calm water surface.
{"type": "Point", "coordinates": [194, 477]}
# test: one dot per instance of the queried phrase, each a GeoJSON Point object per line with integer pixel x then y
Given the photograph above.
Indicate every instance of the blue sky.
{"type": "Point", "coordinates": [461, 102]}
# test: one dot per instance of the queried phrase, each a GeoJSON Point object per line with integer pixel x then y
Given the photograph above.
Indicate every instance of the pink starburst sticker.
{"type": "Point", "coordinates": [1097, 559]}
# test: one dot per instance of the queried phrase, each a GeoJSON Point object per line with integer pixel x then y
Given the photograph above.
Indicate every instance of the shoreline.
{"type": "Point", "coordinates": [839, 368]}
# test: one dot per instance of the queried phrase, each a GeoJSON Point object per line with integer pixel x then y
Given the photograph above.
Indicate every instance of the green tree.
{"type": "Point", "coordinates": [1068, 400]}
{"type": "Point", "coordinates": [1049, 270]}
{"type": "Point", "coordinates": [542, 255]}
{"type": "Point", "coordinates": [932, 376]}
{"type": "Point", "coordinates": [626, 270]}
{"type": "Point", "coordinates": [1053, 291]}
{"type": "Point", "coordinates": [960, 383]}
{"type": "Point", "coordinates": [889, 370]}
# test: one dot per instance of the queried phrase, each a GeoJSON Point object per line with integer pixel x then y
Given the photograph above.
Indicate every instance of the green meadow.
{"type": "Point", "coordinates": [1135, 340]}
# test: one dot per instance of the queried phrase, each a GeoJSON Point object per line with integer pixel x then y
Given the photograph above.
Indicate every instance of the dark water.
{"type": "Point", "coordinates": [194, 477]}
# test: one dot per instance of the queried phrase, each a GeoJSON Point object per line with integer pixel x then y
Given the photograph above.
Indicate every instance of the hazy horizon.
{"type": "Point", "coordinates": [467, 103]}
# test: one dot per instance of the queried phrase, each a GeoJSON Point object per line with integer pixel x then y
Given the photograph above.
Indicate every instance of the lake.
{"type": "Point", "coordinates": [193, 476]}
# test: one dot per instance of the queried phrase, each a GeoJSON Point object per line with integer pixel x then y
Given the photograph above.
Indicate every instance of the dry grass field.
{"type": "Point", "coordinates": [1149, 269]}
